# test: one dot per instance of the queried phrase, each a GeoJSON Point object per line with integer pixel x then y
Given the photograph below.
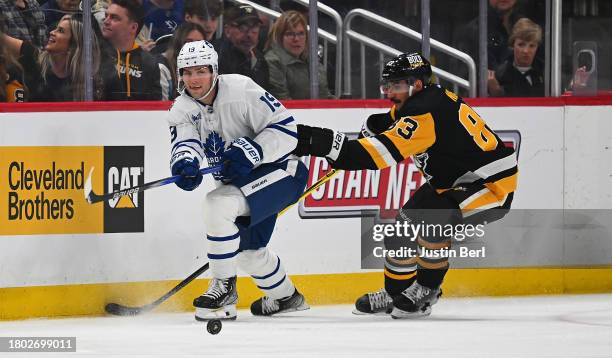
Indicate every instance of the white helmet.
{"type": "Point", "coordinates": [197, 53]}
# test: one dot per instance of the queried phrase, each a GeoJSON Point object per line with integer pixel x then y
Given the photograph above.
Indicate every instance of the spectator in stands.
{"type": "Point", "coordinates": [57, 73]}
{"type": "Point", "coordinates": [502, 16]}
{"type": "Point", "coordinates": [162, 16]}
{"type": "Point", "coordinates": [98, 8]}
{"type": "Point", "coordinates": [205, 13]}
{"type": "Point", "coordinates": [185, 32]}
{"type": "Point", "coordinates": [521, 75]}
{"type": "Point", "coordinates": [54, 10]}
{"type": "Point", "coordinates": [133, 74]}
{"type": "Point", "coordinates": [238, 52]}
{"type": "Point", "coordinates": [24, 20]}
{"type": "Point", "coordinates": [287, 57]}
{"type": "Point", "coordinates": [12, 82]}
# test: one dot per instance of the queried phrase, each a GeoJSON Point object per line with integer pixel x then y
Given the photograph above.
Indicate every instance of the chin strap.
{"type": "Point", "coordinates": [214, 83]}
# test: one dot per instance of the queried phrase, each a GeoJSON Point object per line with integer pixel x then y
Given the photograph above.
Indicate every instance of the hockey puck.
{"type": "Point", "coordinates": [214, 326]}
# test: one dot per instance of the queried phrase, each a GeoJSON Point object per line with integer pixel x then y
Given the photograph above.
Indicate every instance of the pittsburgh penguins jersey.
{"type": "Point", "coordinates": [14, 88]}
{"type": "Point", "coordinates": [241, 108]}
{"type": "Point", "coordinates": [448, 140]}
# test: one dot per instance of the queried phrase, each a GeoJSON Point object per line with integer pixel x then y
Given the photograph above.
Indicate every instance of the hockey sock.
{"type": "Point", "coordinates": [395, 287]}
{"type": "Point", "coordinates": [267, 271]}
{"type": "Point", "coordinates": [222, 251]}
{"type": "Point", "coordinates": [431, 278]}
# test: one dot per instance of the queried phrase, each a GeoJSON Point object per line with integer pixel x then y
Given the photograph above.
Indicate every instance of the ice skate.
{"type": "Point", "coordinates": [378, 303]}
{"type": "Point", "coordinates": [218, 302]}
{"type": "Point", "coordinates": [415, 301]}
{"type": "Point", "coordinates": [267, 306]}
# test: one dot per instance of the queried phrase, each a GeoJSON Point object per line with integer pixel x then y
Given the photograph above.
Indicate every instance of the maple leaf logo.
{"type": "Point", "coordinates": [214, 145]}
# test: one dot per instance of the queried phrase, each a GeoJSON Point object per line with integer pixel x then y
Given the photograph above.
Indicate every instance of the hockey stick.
{"type": "Point", "coordinates": [92, 197]}
{"type": "Point", "coordinates": [121, 310]}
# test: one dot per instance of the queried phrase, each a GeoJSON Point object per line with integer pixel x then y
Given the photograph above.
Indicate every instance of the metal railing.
{"type": "Point", "coordinates": [344, 34]}
{"type": "Point", "coordinates": [349, 34]}
{"type": "Point", "coordinates": [326, 36]}
{"type": "Point", "coordinates": [555, 57]}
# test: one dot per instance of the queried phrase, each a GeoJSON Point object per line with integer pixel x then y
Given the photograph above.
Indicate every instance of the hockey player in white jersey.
{"type": "Point", "coordinates": [229, 119]}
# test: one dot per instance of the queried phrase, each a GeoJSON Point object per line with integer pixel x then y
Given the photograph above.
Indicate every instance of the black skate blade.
{"type": "Point", "coordinates": [120, 310]}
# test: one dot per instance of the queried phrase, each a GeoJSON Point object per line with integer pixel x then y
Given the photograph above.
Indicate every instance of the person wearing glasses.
{"type": "Point", "coordinates": [287, 57]}
{"type": "Point", "coordinates": [238, 51]}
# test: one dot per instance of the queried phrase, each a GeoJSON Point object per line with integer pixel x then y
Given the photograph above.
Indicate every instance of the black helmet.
{"type": "Point", "coordinates": [407, 66]}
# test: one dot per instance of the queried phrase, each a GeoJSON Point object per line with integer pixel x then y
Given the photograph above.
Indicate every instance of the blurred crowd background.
{"type": "Point", "coordinates": [127, 49]}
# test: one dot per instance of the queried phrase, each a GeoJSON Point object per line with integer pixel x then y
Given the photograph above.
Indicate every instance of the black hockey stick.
{"type": "Point", "coordinates": [92, 197]}
{"type": "Point", "coordinates": [121, 310]}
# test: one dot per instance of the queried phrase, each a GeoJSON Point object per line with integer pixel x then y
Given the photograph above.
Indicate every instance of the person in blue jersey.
{"type": "Point", "coordinates": [161, 17]}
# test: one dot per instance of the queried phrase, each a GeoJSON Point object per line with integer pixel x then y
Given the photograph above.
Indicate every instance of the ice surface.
{"type": "Point", "coordinates": [543, 326]}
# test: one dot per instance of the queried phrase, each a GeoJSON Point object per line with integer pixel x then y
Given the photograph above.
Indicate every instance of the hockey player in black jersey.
{"type": "Point", "coordinates": [471, 176]}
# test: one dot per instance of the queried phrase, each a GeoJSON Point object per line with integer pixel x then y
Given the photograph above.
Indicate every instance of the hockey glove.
{"type": "Point", "coordinates": [240, 158]}
{"type": "Point", "coordinates": [189, 170]}
{"type": "Point", "coordinates": [320, 142]}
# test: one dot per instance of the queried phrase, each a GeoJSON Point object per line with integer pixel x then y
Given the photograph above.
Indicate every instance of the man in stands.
{"type": "Point", "coordinates": [205, 13]}
{"type": "Point", "coordinates": [238, 53]}
{"type": "Point", "coordinates": [132, 74]}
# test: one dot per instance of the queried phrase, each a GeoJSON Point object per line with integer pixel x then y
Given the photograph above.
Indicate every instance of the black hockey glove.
{"type": "Point", "coordinates": [320, 142]}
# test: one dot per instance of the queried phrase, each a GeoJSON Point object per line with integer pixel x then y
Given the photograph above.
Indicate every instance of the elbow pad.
{"type": "Point", "coordinates": [376, 124]}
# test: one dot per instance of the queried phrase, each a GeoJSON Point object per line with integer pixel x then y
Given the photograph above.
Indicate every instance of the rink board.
{"type": "Point", "coordinates": [324, 289]}
{"type": "Point", "coordinates": [563, 163]}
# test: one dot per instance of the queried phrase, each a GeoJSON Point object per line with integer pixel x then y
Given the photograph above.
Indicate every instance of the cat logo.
{"type": "Point", "coordinates": [124, 168]}
{"type": "Point", "coordinates": [124, 178]}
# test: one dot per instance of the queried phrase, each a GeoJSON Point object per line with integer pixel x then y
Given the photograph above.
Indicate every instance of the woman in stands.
{"type": "Point", "coordinates": [287, 57]}
{"type": "Point", "coordinates": [57, 73]}
{"type": "Point", "coordinates": [522, 74]}
{"type": "Point", "coordinates": [12, 82]}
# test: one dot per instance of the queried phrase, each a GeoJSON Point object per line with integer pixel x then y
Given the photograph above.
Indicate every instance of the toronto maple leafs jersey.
{"type": "Point", "coordinates": [241, 108]}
